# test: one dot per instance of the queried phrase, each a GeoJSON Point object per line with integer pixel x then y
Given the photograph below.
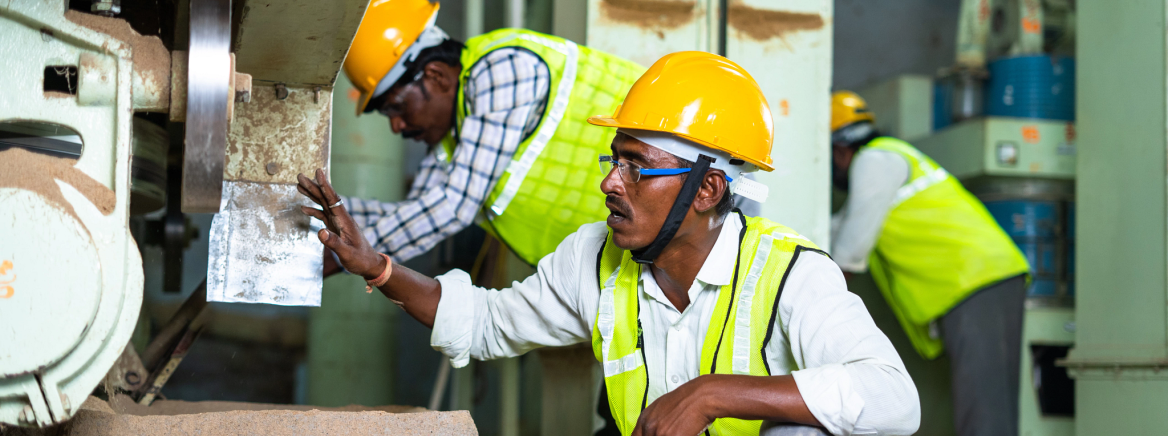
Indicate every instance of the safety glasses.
{"type": "Point", "coordinates": [392, 109]}
{"type": "Point", "coordinates": [631, 172]}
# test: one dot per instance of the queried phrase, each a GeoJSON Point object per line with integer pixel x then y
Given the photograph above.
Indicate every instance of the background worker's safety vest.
{"type": "Point", "coordinates": [938, 246]}
{"type": "Point", "coordinates": [742, 324]}
{"type": "Point", "coordinates": [552, 185]}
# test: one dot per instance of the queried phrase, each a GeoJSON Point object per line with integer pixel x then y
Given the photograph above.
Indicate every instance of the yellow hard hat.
{"type": "Point", "coordinates": [848, 107]}
{"type": "Point", "coordinates": [704, 98]}
{"type": "Point", "coordinates": [386, 32]}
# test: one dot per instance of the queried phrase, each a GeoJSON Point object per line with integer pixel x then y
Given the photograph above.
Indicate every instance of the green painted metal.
{"type": "Point", "coordinates": [351, 338]}
{"type": "Point", "coordinates": [1042, 148]}
{"type": "Point", "coordinates": [1043, 326]}
{"type": "Point", "coordinates": [1122, 327]}
{"type": "Point", "coordinates": [903, 106]}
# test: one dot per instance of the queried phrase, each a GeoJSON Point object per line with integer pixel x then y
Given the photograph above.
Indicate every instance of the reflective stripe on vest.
{"type": "Point", "coordinates": [937, 246]}
{"type": "Point", "coordinates": [766, 251]}
{"type": "Point", "coordinates": [519, 168]}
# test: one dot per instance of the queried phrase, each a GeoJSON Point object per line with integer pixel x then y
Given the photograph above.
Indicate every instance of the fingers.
{"type": "Point", "coordinates": [333, 242]}
{"type": "Point", "coordinates": [308, 187]}
{"type": "Point", "coordinates": [326, 188]}
{"type": "Point", "coordinates": [313, 212]}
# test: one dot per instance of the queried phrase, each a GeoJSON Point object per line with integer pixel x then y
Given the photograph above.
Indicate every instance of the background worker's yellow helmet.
{"type": "Point", "coordinates": [848, 108]}
{"type": "Point", "coordinates": [704, 98]}
{"type": "Point", "coordinates": [387, 35]}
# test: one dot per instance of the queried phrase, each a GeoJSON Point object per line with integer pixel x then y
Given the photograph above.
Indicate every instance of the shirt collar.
{"type": "Point", "coordinates": [718, 268]}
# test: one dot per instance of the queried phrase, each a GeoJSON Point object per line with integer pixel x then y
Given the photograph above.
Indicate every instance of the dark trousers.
{"type": "Point", "coordinates": [983, 337]}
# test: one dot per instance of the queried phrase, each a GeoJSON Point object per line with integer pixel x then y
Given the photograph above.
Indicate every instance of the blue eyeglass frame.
{"type": "Point", "coordinates": [655, 171]}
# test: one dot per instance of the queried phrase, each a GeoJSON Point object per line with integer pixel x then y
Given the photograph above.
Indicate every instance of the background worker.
{"type": "Point", "coordinates": [504, 117]}
{"type": "Point", "coordinates": [952, 276]}
{"type": "Point", "coordinates": [676, 285]}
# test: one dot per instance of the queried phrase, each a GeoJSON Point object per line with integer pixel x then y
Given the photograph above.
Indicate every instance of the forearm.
{"type": "Point", "coordinates": [770, 398]}
{"type": "Point", "coordinates": [414, 292]}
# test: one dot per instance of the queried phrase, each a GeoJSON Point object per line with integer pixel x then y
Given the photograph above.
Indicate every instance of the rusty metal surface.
{"type": "Point", "coordinates": [263, 249]}
{"type": "Point", "coordinates": [289, 136]}
{"type": "Point", "coordinates": [178, 86]}
{"type": "Point", "coordinates": [298, 42]}
{"type": "Point", "coordinates": [160, 376]}
{"type": "Point", "coordinates": [127, 375]}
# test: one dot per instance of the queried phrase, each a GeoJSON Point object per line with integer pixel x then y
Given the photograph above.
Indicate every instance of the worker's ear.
{"type": "Point", "coordinates": [713, 185]}
{"type": "Point", "coordinates": [441, 78]}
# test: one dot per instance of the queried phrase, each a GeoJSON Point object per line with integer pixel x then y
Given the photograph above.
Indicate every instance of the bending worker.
{"type": "Point", "coordinates": [952, 276]}
{"type": "Point", "coordinates": [701, 316]}
{"type": "Point", "coordinates": [504, 117]}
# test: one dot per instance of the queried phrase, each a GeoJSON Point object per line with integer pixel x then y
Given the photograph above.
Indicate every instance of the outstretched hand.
{"type": "Point", "coordinates": [341, 234]}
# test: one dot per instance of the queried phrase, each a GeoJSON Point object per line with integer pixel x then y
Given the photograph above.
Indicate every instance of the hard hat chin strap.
{"type": "Point", "coordinates": [681, 205]}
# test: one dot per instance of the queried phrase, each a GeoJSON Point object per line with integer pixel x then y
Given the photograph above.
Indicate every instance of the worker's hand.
{"type": "Point", "coordinates": [341, 234]}
{"type": "Point", "coordinates": [330, 263]}
{"type": "Point", "coordinates": [684, 412]}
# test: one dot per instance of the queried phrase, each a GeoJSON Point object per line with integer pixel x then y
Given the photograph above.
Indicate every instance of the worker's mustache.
{"type": "Point", "coordinates": [617, 205]}
{"type": "Point", "coordinates": [411, 134]}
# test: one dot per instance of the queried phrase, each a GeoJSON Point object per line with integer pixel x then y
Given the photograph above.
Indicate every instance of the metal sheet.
{"type": "Point", "coordinates": [208, 82]}
{"type": "Point", "coordinates": [263, 249]}
{"type": "Point", "coordinates": [297, 42]}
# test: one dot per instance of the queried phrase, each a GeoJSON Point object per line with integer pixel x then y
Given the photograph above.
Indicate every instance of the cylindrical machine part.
{"type": "Point", "coordinates": [148, 168]}
{"type": "Point", "coordinates": [1035, 86]}
{"type": "Point", "coordinates": [1034, 213]}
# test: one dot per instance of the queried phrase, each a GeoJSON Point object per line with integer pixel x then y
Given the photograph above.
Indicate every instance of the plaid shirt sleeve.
{"type": "Point", "coordinates": [506, 95]}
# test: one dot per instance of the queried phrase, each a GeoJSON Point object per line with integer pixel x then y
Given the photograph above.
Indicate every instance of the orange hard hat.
{"type": "Point", "coordinates": [388, 30]}
{"type": "Point", "coordinates": [704, 98]}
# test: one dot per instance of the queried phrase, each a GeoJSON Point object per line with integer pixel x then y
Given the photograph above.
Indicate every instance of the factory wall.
{"type": "Point", "coordinates": [914, 37]}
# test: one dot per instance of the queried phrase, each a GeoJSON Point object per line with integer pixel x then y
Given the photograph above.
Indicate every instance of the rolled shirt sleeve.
{"type": "Point", "coordinates": [848, 372]}
{"type": "Point", "coordinates": [548, 309]}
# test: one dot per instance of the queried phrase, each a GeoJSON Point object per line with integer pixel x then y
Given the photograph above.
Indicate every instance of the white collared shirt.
{"type": "Point", "coordinates": [873, 179]}
{"type": "Point", "coordinates": [847, 371]}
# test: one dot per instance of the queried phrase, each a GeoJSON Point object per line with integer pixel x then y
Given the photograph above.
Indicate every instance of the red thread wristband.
{"type": "Point", "coordinates": [381, 279]}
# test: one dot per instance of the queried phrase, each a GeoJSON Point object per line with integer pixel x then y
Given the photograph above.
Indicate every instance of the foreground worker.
{"type": "Point", "coordinates": [700, 316]}
{"type": "Point", "coordinates": [952, 276]}
{"type": "Point", "coordinates": [504, 117]}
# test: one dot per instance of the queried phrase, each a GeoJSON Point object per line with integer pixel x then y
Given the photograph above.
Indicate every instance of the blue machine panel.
{"type": "Point", "coordinates": [1034, 86]}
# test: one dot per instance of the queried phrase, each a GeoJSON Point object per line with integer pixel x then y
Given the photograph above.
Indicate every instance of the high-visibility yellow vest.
{"type": "Point", "coordinates": [552, 185]}
{"type": "Point", "coordinates": [742, 324]}
{"type": "Point", "coordinates": [938, 246]}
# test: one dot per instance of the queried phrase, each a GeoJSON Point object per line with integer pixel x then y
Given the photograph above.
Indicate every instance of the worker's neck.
{"type": "Point", "coordinates": [676, 268]}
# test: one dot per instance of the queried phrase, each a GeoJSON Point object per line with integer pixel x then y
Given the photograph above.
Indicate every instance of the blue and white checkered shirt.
{"type": "Point", "coordinates": [506, 95]}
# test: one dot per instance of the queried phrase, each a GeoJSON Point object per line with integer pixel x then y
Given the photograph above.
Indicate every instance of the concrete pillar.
{"type": "Point", "coordinates": [351, 339]}
{"type": "Point", "coordinates": [1121, 340]}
